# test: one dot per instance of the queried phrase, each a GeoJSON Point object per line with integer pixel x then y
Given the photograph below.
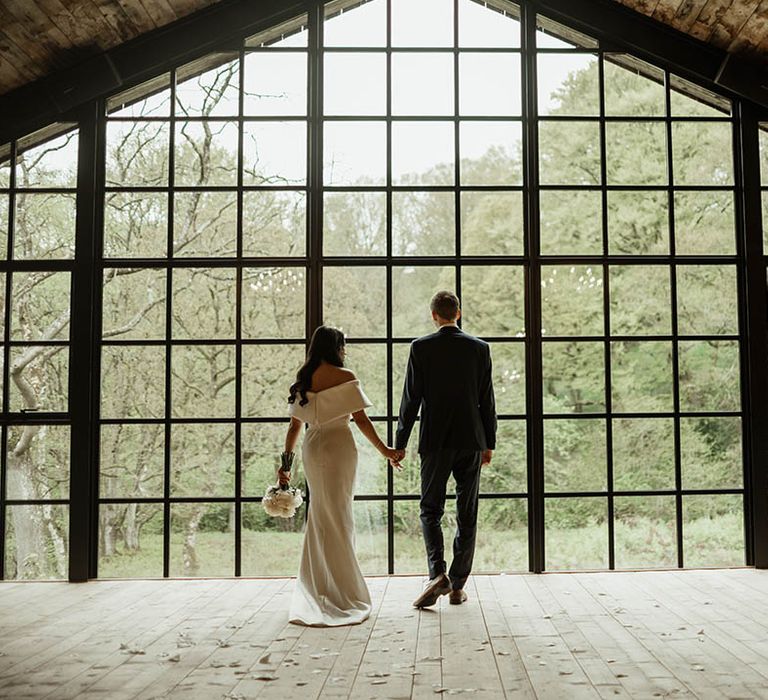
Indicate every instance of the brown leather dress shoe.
{"type": "Point", "coordinates": [457, 597]}
{"type": "Point", "coordinates": [440, 585]}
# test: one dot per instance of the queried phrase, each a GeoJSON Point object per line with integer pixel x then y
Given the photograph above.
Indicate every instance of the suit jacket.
{"type": "Point", "coordinates": [449, 378]}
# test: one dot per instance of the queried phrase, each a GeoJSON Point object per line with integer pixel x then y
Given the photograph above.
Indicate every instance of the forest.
{"type": "Point", "coordinates": [202, 309]}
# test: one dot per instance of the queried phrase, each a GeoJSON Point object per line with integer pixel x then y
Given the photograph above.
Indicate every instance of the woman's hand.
{"type": "Point", "coordinates": [394, 457]}
{"type": "Point", "coordinates": [283, 478]}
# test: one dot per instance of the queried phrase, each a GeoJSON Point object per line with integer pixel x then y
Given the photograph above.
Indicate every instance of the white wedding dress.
{"type": "Point", "coordinates": [330, 589]}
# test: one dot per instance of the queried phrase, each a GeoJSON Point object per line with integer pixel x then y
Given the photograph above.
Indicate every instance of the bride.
{"type": "Point", "coordinates": [330, 589]}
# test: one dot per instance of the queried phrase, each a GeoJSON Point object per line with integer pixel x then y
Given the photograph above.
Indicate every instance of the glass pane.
{"type": "Point", "coordinates": [37, 466]}
{"type": "Point", "coordinates": [42, 161]}
{"type": "Point", "coordinates": [274, 223]}
{"type": "Point", "coordinates": [150, 99]}
{"type": "Point", "coordinates": [643, 454]}
{"type": "Point", "coordinates": [133, 303]}
{"type": "Point", "coordinates": [568, 84]}
{"type": "Point", "coordinates": [575, 455]}
{"type": "Point", "coordinates": [690, 100]}
{"type": "Point", "coordinates": [355, 83]}
{"type": "Point", "coordinates": [569, 153]}
{"type": "Point", "coordinates": [423, 153]}
{"type": "Point", "coordinates": [5, 165]}
{"type": "Point", "coordinates": [707, 300]}
{"type": "Point", "coordinates": [135, 224]}
{"type": "Point", "coordinates": [507, 472]}
{"type": "Point", "coordinates": [5, 203]}
{"type": "Point", "coordinates": [576, 534]}
{"type": "Point", "coordinates": [489, 84]}
{"type": "Point", "coordinates": [261, 445]}
{"type": "Point", "coordinates": [44, 226]}
{"type": "Point", "coordinates": [400, 352]}
{"type": "Point", "coordinates": [137, 154]}
{"type": "Point", "coordinates": [371, 536]}
{"type": "Point", "coordinates": [206, 154]}
{"type": "Point", "coordinates": [203, 460]}
{"type": "Point", "coordinates": [509, 377]}
{"type": "Point", "coordinates": [493, 300]}
{"type": "Point", "coordinates": [710, 453]}
{"type": "Point", "coordinates": [488, 27]}
{"type": "Point", "coordinates": [624, 141]}
{"type": "Point", "coordinates": [369, 363]}
{"type": "Point", "coordinates": [638, 223]}
{"type": "Point", "coordinates": [645, 532]}
{"type": "Point", "coordinates": [412, 290]}
{"type": "Point", "coordinates": [275, 84]}
{"type": "Point", "coordinates": [422, 84]}
{"type": "Point", "coordinates": [713, 530]}
{"type": "Point", "coordinates": [709, 376]}
{"type": "Point", "coordinates": [40, 305]}
{"type": "Point", "coordinates": [574, 377]}
{"type": "Point", "coordinates": [571, 300]}
{"type": "Point", "coordinates": [551, 35]}
{"type": "Point", "coordinates": [274, 153]}
{"type": "Point", "coordinates": [424, 23]}
{"type": "Point", "coordinates": [202, 539]}
{"type": "Point", "coordinates": [407, 481]}
{"type": "Point", "coordinates": [423, 223]}
{"type": "Point", "coordinates": [633, 88]}
{"type": "Point", "coordinates": [270, 546]}
{"type": "Point", "coordinates": [371, 477]}
{"type": "Point", "coordinates": [490, 153]}
{"type": "Point", "coordinates": [410, 556]}
{"type": "Point", "coordinates": [203, 302]}
{"type": "Point", "coordinates": [571, 222]}
{"type": "Point", "coordinates": [354, 223]}
{"type": "Point", "coordinates": [353, 300]}
{"type": "Point", "coordinates": [209, 87]}
{"type": "Point", "coordinates": [705, 223]}
{"type": "Point", "coordinates": [504, 543]}
{"type": "Point", "coordinates": [273, 302]}
{"type": "Point", "coordinates": [268, 372]}
{"type": "Point", "coordinates": [641, 377]}
{"type": "Point", "coordinates": [131, 463]}
{"type": "Point", "coordinates": [41, 379]}
{"type": "Point", "coordinates": [355, 153]}
{"type": "Point", "coordinates": [205, 224]}
{"type": "Point", "coordinates": [641, 301]}
{"type": "Point", "coordinates": [702, 153]}
{"type": "Point", "coordinates": [365, 25]}
{"type": "Point", "coordinates": [131, 540]}
{"type": "Point", "coordinates": [133, 382]}
{"type": "Point", "coordinates": [36, 542]}
{"type": "Point", "coordinates": [203, 381]}
{"type": "Point", "coordinates": [492, 223]}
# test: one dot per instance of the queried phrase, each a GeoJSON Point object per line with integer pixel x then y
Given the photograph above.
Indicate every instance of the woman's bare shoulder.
{"type": "Point", "coordinates": [327, 376]}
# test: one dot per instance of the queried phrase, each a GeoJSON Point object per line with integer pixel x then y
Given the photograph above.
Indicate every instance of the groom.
{"type": "Point", "coordinates": [449, 378]}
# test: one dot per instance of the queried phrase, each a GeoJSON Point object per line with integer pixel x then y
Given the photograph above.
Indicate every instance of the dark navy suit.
{"type": "Point", "coordinates": [449, 379]}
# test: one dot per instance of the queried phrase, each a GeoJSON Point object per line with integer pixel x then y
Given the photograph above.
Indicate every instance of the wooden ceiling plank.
{"type": "Point", "coordinates": [14, 29]}
{"type": "Point", "coordinates": [59, 16]}
{"type": "Point", "coordinates": [160, 12]}
{"type": "Point", "coordinates": [115, 16]}
{"type": "Point", "coordinates": [731, 23]}
{"type": "Point", "coordinates": [704, 25]}
{"type": "Point", "coordinates": [752, 37]}
{"type": "Point", "coordinates": [17, 64]}
{"type": "Point", "coordinates": [39, 23]}
{"type": "Point", "coordinates": [666, 10]}
{"type": "Point", "coordinates": [687, 14]}
{"type": "Point", "coordinates": [137, 14]}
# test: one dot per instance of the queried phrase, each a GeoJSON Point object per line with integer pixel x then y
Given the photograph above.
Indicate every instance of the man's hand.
{"type": "Point", "coordinates": [486, 458]}
{"type": "Point", "coordinates": [394, 457]}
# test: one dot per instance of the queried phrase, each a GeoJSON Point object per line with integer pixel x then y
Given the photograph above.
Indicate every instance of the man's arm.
{"type": "Point", "coordinates": [488, 402]}
{"type": "Point", "coordinates": [410, 402]}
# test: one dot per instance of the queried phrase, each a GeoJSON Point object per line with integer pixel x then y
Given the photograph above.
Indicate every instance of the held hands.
{"type": "Point", "coordinates": [486, 458]}
{"type": "Point", "coordinates": [283, 478]}
{"type": "Point", "coordinates": [394, 457]}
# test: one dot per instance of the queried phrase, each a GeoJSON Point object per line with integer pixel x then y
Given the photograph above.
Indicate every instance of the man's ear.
{"type": "Point", "coordinates": [458, 316]}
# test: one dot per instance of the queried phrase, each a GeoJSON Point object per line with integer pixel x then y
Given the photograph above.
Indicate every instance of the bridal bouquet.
{"type": "Point", "coordinates": [281, 501]}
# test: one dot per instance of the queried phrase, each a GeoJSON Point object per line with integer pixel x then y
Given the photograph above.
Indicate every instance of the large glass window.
{"type": "Point", "coordinates": [38, 204]}
{"type": "Point", "coordinates": [583, 204]}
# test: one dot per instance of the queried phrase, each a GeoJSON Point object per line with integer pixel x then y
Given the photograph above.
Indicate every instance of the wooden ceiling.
{"type": "Point", "coordinates": [40, 37]}
{"type": "Point", "coordinates": [736, 26]}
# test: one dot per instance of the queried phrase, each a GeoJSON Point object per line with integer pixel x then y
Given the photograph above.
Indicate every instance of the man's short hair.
{"type": "Point", "coordinates": [446, 305]}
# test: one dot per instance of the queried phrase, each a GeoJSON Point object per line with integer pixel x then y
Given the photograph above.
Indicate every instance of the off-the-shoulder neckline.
{"type": "Point", "coordinates": [335, 386]}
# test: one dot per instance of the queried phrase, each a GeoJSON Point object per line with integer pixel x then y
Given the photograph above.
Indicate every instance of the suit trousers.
{"type": "Point", "coordinates": [436, 468]}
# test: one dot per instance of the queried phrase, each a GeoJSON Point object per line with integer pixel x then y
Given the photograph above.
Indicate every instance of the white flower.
{"type": "Point", "coordinates": [281, 503]}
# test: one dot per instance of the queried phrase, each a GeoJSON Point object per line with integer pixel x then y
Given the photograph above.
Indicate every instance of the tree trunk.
{"type": "Point", "coordinates": [191, 565]}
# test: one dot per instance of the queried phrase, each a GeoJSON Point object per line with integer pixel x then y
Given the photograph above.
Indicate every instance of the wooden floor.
{"type": "Point", "coordinates": [619, 635]}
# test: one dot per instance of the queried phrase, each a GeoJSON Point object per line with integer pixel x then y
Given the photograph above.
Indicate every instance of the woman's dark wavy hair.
{"type": "Point", "coordinates": [326, 344]}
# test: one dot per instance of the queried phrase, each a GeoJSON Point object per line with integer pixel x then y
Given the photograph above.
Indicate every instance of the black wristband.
{"type": "Point", "coordinates": [286, 461]}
